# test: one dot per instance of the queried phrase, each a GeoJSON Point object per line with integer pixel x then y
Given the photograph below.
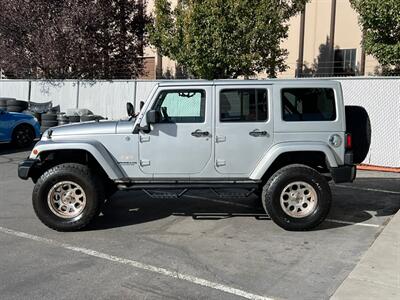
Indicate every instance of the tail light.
{"type": "Point", "coordinates": [349, 141]}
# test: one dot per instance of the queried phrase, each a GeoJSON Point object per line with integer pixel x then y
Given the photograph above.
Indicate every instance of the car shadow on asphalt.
{"type": "Point", "coordinates": [348, 205]}
{"type": "Point", "coordinates": [6, 149]}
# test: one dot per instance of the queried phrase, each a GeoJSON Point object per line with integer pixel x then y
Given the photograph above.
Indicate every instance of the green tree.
{"type": "Point", "coordinates": [224, 38]}
{"type": "Point", "coordinates": [380, 20]}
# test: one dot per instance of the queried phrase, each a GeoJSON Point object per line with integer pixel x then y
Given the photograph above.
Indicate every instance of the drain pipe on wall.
{"type": "Point", "coordinates": [77, 94]}
{"type": "Point", "coordinates": [29, 93]}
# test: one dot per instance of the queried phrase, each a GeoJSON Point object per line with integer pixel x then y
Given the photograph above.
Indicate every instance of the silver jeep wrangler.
{"type": "Point", "coordinates": [282, 140]}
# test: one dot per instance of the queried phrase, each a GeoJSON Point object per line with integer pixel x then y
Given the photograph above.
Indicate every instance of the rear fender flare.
{"type": "Point", "coordinates": [281, 148]}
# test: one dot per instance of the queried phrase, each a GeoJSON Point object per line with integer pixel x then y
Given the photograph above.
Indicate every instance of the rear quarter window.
{"type": "Point", "coordinates": [308, 104]}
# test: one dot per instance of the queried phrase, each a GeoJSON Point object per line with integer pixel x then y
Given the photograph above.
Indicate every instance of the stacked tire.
{"type": "Point", "coordinates": [87, 118]}
{"type": "Point", "coordinates": [48, 120]}
{"type": "Point", "coordinates": [74, 119]}
{"type": "Point", "coordinates": [14, 105]}
{"type": "Point", "coordinates": [62, 119]}
{"type": "Point", "coordinates": [3, 103]}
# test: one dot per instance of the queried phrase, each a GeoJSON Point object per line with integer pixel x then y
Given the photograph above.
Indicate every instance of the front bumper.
{"type": "Point", "coordinates": [346, 173]}
{"type": "Point", "coordinates": [26, 168]}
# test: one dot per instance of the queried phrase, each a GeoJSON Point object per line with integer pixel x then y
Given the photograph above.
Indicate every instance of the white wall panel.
{"type": "Point", "coordinates": [14, 89]}
{"type": "Point", "coordinates": [381, 98]}
{"type": "Point", "coordinates": [107, 98]}
{"type": "Point", "coordinates": [62, 93]}
{"type": "Point", "coordinates": [143, 91]}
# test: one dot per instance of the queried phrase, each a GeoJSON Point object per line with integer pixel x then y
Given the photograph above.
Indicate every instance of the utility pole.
{"type": "Point", "coordinates": [300, 60]}
{"type": "Point", "coordinates": [332, 37]}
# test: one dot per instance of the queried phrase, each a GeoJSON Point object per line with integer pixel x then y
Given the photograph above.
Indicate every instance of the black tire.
{"type": "Point", "coordinates": [3, 101]}
{"type": "Point", "coordinates": [49, 117]}
{"type": "Point", "coordinates": [40, 107]}
{"type": "Point", "coordinates": [15, 108]}
{"type": "Point", "coordinates": [61, 117]}
{"type": "Point", "coordinates": [74, 119]}
{"type": "Point", "coordinates": [81, 176]}
{"type": "Point", "coordinates": [86, 118]}
{"type": "Point", "coordinates": [359, 125]}
{"type": "Point", "coordinates": [23, 135]}
{"type": "Point", "coordinates": [276, 186]}
{"type": "Point", "coordinates": [20, 103]}
{"type": "Point", "coordinates": [49, 123]}
{"type": "Point", "coordinates": [55, 109]}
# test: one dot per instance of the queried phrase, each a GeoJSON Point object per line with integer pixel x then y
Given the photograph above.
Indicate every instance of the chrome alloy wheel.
{"type": "Point", "coordinates": [299, 199]}
{"type": "Point", "coordinates": [66, 199]}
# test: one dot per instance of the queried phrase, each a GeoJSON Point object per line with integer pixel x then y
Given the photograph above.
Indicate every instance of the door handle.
{"type": "Point", "coordinates": [257, 132]}
{"type": "Point", "coordinates": [199, 133]}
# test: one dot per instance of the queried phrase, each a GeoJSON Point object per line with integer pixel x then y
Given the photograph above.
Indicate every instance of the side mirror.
{"type": "Point", "coordinates": [153, 117]}
{"type": "Point", "coordinates": [130, 109]}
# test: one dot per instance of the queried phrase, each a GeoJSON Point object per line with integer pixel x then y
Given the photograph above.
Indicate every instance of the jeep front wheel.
{"type": "Point", "coordinates": [67, 197]}
{"type": "Point", "coordinates": [297, 197]}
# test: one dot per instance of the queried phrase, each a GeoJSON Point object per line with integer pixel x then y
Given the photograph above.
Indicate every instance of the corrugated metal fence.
{"type": "Point", "coordinates": [380, 96]}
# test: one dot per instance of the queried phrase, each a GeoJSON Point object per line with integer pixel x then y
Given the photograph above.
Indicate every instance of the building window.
{"type": "Point", "coordinates": [345, 62]}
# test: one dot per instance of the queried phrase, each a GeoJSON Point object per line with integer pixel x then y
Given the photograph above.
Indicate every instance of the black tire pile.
{"type": "Point", "coordinates": [47, 115]}
{"type": "Point", "coordinates": [13, 105]}
{"type": "Point", "coordinates": [51, 119]}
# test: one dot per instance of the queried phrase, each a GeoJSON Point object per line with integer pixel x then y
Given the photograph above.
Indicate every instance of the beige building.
{"type": "Point", "coordinates": [324, 40]}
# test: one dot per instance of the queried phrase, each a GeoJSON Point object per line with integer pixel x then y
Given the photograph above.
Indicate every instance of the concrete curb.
{"type": "Point", "coordinates": [378, 168]}
{"type": "Point", "coordinates": [377, 275]}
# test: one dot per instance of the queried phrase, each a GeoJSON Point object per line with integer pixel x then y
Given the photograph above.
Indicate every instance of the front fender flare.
{"type": "Point", "coordinates": [280, 148]}
{"type": "Point", "coordinates": [95, 148]}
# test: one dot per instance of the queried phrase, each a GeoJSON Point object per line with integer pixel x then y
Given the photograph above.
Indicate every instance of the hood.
{"type": "Point", "coordinates": [86, 128]}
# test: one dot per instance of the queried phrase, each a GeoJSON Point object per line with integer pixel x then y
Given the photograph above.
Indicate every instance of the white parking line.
{"type": "Point", "coordinates": [367, 189]}
{"type": "Point", "coordinates": [352, 223]}
{"type": "Point", "coordinates": [138, 265]}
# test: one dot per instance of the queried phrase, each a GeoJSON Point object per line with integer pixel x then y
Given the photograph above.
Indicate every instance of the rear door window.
{"type": "Point", "coordinates": [308, 104]}
{"type": "Point", "coordinates": [243, 105]}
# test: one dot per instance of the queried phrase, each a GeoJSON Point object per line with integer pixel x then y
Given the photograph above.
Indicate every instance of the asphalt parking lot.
{"type": "Point", "coordinates": [194, 247]}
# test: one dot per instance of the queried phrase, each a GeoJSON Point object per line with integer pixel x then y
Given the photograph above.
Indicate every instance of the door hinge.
{"type": "Point", "coordinates": [144, 162]}
{"type": "Point", "coordinates": [220, 139]}
{"type": "Point", "coordinates": [220, 163]}
{"type": "Point", "coordinates": [144, 138]}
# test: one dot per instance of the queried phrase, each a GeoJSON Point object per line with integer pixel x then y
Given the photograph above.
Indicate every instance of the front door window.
{"type": "Point", "coordinates": [186, 106]}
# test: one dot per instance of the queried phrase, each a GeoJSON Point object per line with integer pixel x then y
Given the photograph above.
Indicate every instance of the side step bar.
{"type": "Point", "coordinates": [160, 190]}
{"type": "Point", "coordinates": [193, 185]}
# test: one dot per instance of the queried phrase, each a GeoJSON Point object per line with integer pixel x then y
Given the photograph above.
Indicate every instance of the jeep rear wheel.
{"type": "Point", "coordinates": [297, 197]}
{"type": "Point", "coordinates": [67, 197]}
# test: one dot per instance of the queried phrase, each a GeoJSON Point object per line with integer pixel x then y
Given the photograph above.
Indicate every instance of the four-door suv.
{"type": "Point", "coordinates": [282, 140]}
